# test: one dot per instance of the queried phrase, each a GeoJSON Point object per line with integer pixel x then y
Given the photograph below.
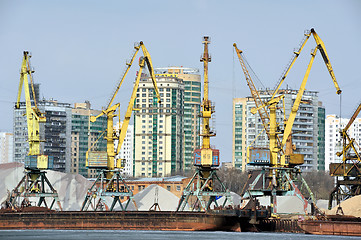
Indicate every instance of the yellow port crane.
{"type": "Point", "coordinates": [347, 172]}
{"type": "Point", "coordinates": [111, 182]}
{"type": "Point", "coordinates": [34, 182]}
{"type": "Point", "coordinates": [281, 173]}
{"type": "Point", "coordinates": [201, 186]}
{"type": "Point", "coordinates": [261, 107]}
{"type": "Point", "coordinates": [33, 114]}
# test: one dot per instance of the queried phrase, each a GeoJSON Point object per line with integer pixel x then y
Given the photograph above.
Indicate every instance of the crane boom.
{"type": "Point", "coordinates": [255, 94]}
{"type": "Point", "coordinates": [149, 63]}
{"type": "Point", "coordinates": [322, 48]}
{"type": "Point", "coordinates": [352, 119]}
{"type": "Point", "coordinates": [129, 64]}
{"type": "Point", "coordinates": [128, 114]}
{"type": "Point", "coordinates": [33, 114]}
{"type": "Point", "coordinates": [293, 60]}
{"type": "Point", "coordinates": [291, 118]}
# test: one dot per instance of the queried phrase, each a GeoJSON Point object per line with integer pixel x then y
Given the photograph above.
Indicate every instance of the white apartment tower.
{"type": "Point", "coordinates": [333, 138]}
{"type": "Point", "coordinates": [126, 151]}
{"type": "Point", "coordinates": [158, 128]}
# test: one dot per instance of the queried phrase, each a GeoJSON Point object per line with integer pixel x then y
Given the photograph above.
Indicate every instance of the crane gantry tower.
{"type": "Point", "coordinates": [34, 183]}
{"type": "Point", "coordinates": [206, 159]}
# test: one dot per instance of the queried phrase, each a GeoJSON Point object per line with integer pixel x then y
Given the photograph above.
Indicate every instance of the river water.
{"type": "Point", "coordinates": [153, 235]}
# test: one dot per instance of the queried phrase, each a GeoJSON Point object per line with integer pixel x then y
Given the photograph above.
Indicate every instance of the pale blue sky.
{"type": "Point", "coordinates": [79, 48]}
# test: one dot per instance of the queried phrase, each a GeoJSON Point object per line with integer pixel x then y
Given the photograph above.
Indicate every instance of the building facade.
{"type": "Point", "coordinates": [333, 142]}
{"type": "Point", "coordinates": [192, 105]}
{"type": "Point", "coordinates": [6, 147]}
{"type": "Point", "coordinates": [158, 128]}
{"type": "Point", "coordinates": [126, 150]}
{"type": "Point", "coordinates": [84, 135]}
{"type": "Point", "coordinates": [321, 158]}
{"type": "Point", "coordinates": [306, 128]}
{"type": "Point", "coordinates": [239, 146]}
{"type": "Point", "coordinates": [56, 133]}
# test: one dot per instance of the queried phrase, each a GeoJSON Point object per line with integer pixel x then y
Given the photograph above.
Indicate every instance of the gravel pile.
{"type": "Point", "coordinates": [71, 187]}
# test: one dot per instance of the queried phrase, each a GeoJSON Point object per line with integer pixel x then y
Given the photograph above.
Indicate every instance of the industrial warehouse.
{"type": "Point", "coordinates": [150, 163]}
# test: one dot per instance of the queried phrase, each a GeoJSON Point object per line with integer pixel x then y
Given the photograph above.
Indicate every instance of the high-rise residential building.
{"type": "Point", "coordinates": [248, 129]}
{"type": "Point", "coordinates": [192, 105]}
{"type": "Point", "coordinates": [6, 147]}
{"type": "Point", "coordinates": [239, 147]}
{"type": "Point", "coordinates": [321, 138]}
{"type": "Point", "coordinates": [126, 150]}
{"type": "Point", "coordinates": [158, 128]}
{"type": "Point", "coordinates": [56, 133]}
{"type": "Point", "coordinates": [84, 135]}
{"type": "Point", "coordinates": [333, 142]}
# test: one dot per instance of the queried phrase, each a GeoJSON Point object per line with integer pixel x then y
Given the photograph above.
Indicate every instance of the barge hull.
{"type": "Point", "coordinates": [180, 221]}
{"type": "Point", "coordinates": [345, 228]}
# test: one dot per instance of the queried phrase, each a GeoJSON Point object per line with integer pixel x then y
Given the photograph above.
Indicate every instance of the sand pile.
{"type": "Point", "coordinates": [167, 201]}
{"type": "Point", "coordinates": [71, 187]}
{"type": "Point", "coordinates": [351, 206]}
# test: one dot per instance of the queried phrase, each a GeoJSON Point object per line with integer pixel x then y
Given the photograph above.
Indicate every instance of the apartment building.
{"type": "Point", "coordinates": [86, 135]}
{"type": "Point", "coordinates": [333, 138]}
{"type": "Point", "coordinates": [56, 133]}
{"type": "Point", "coordinates": [307, 128]}
{"type": "Point", "coordinates": [158, 128]}
{"type": "Point", "coordinates": [191, 109]}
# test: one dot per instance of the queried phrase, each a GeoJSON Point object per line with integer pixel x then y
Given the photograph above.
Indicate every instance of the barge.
{"type": "Point", "coordinates": [333, 225]}
{"type": "Point", "coordinates": [223, 220]}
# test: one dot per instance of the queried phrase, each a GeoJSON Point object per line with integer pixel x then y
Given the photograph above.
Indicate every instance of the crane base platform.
{"type": "Point", "coordinates": [103, 188]}
{"type": "Point", "coordinates": [34, 184]}
{"type": "Point", "coordinates": [199, 194]}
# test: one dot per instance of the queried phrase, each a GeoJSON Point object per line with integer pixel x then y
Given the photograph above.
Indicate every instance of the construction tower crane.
{"type": "Point", "coordinates": [34, 183]}
{"type": "Point", "coordinates": [206, 159]}
{"type": "Point", "coordinates": [281, 173]}
{"type": "Point", "coordinates": [347, 173]}
{"type": "Point", "coordinates": [109, 182]}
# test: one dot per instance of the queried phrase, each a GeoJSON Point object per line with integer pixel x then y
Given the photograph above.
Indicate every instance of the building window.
{"type": "Point", "coordinates": [178, 188]}
{"type": "Point", "coordinates": [168, 188]}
